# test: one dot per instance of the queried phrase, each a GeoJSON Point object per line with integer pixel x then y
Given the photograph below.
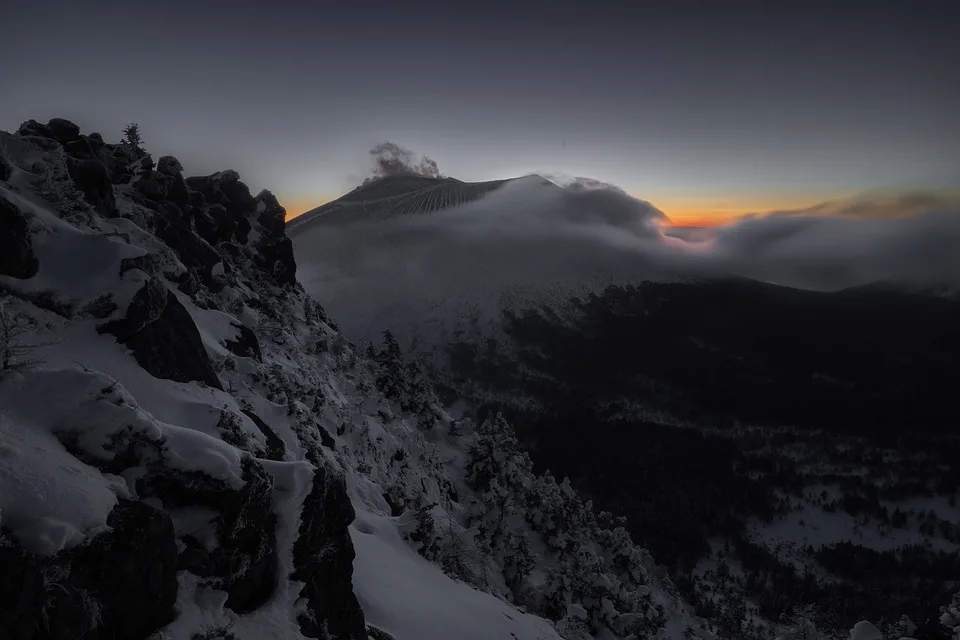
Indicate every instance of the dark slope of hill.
{"type": "Point", "coordinates": [862, 361]}
{"type": "Point", "coordinates": [718, 415]}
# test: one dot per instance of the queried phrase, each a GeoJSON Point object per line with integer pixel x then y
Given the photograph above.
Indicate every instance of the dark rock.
{"type": "Point", "coordinates": [323, 556]}
{"type": "Point", "coordinates": [243, 230]}
{"type": "Point", "coordinates": [275, 447]}
{"type": "Point", "coordinates": [396, 505]}
{"type": "Point", "coordinates": [63, 131]}
{"type": "Point", "coordinates": [93, 180]}
{"type": "Point", "coordinates": [150, 263]}
{"type": "Point", "coordinates": [119, 160]}
{"type": "Point", "coordinates": [245, 344]}
{"type": "Point", "coordinates": [121, 584]}
{"type": "Point", "coordinates": [169, 166]}
{"type": "Point", "coordinates": [96, 140]}
{"type": "Point", "coordinates": [226, 190]}
{"type": "Point", "coordinates": [273, 217]}
{"type": "Point", "coordinates": [249, 535]}
{"type": "Point", "coordinates": [152, 185]}
{"type": "Point", "coordinates": [130, 572]}
{"type": "Point", "coordinates": [325, 438]}
{"type": "Point", "coordinates": [21, 593]}
{"type": "Point", "coordinates": [191, 283]}
{"type": "Point", "coordinates": [5, 170]}
{"type": "Point", "coordinates": [193, 251]}
{"type": "Point", "coordinates": [211, 223]}
{"type": "Point", "coordinates": [163, 337]}
{"type": "Point", "coordinates": [377, 634]}
{"type": "Point", "coordinates": [80, 148]}
{"type": "Point", "coordinates": [16, 247]}
{"type": "Point", "coordinates": [33, 129]}
{"type": "Point", "coordinates": [141, 164]}
{"type": "Point", "coordinates": [277, 259]}
{"type": "Point", "coordinates": [177, 191]}
{"type": "Point", "coordinates": [44, 142]}
{"type": "Point", "coordinates": [244, 562]}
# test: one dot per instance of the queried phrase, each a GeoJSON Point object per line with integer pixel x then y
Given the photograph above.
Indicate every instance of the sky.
{"type": "Point", "coordinates": [706, 109]}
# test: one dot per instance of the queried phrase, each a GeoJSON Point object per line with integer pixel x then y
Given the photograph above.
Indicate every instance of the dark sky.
{"type": "Point", "coordinates": [706, 106]}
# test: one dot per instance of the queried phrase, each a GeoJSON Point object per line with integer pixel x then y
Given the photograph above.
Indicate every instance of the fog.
{"type": "Point", "coordinates": [534, 241]}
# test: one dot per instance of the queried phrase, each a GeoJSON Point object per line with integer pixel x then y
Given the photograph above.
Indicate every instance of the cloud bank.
{"type": "Point", "coordinates": [535, 241]}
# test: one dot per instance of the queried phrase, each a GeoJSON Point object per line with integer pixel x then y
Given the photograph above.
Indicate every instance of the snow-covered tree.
{"type": "Point", "coordinates": [950, 616]}
{"type": "Point", "coordinates": [132, 140]}
{"type": "Point", "coordinates": [800, 624]}
{"type": "Point", "coordinates": [406, 383]}
{"type": "Point", "coordinates": [16, 352]}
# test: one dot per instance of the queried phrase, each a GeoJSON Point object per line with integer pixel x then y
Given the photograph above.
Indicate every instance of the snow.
{"type": "Point", "coordinates": [49, 500]}
{"type": "Point", "coordinates": [863, 630]}
{"type": "Point", "coordinates": [411, 599]}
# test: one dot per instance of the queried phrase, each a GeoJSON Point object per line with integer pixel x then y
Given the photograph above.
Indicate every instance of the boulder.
{"type": "Point", "coordinates": [17, 258]}
{"type": "Point", "coordinates": [244, 562]}
{"type": "Point", "coordinates": [323, 556]}
{"type": "Point", "coordinates": [152, 185]}
{"type": "Point", "coordinates": [169, 166]}
{"type": "Point", "coordinates": [63, 131]}
{"type": "Point", "coordinates": [277, 259]}
{"type": "Point", "coordinates": [272, 217]}
{"type": "Point", "coordinates": [33, 129]}
{"type": "Point", "coordinates": [92, 179]}
{"type": "Point", "coordinates": [276, 449]}
{"type": "Point", "coordinates": [194, 252]}
{"type": "Point", "coordinates": [123, 584]}
{"type": "Point", "coordinates": [245, 344]}
{"type": "Point", "coordinates": [233, 197]}
{"type": "Point", "coordinates": [163, 337]}
{"type": "Point", "coordinates": [80, 148]}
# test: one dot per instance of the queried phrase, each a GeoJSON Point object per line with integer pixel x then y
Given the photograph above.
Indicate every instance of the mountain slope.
{"type": "Point", "coordinates": [191, 448]}
{"type": "Point", "coordinates": [397, 196]}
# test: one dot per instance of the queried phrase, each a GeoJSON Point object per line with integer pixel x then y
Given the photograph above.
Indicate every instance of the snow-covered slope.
{"type": "Point", "coordinates": [189, 447]}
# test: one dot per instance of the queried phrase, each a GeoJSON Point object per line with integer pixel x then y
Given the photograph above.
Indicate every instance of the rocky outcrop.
{"type": "Point", "coordinates": [91, 178]}
{"type": "Point", "coordinates": [163, 337]}
{"type": "Point", "coordinates": [275, 248]}
{"type": "Point", "coordinates": [276, 449]}
{"type": "Point", "coordinates": [122, 584]}
{"type": "Point", "coordinates": [244, 562]}
{"type": "Point", "coordinates": [323, 556]}
{"type": "Point", "coordinates": [63, 131]}
{"type": "Point", "coordinates": [17, 258]}
{"type": "Point", "coordinates": [5, 170]}
{"type": "Point", "coordinates": [245, 344]}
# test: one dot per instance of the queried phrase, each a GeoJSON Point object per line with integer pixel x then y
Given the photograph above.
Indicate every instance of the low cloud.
{"type": "Point", "coordinates": [535, 240]}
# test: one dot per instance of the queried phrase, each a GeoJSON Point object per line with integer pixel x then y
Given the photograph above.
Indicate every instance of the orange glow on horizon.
{"type": "Point", "coordinates": [298, 205]}
{"type": "Point", "coordinates": [681, 212]}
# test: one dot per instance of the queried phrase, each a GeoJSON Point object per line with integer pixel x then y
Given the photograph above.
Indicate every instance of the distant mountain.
{"type": "Point", "coordinates": [400, 195]}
